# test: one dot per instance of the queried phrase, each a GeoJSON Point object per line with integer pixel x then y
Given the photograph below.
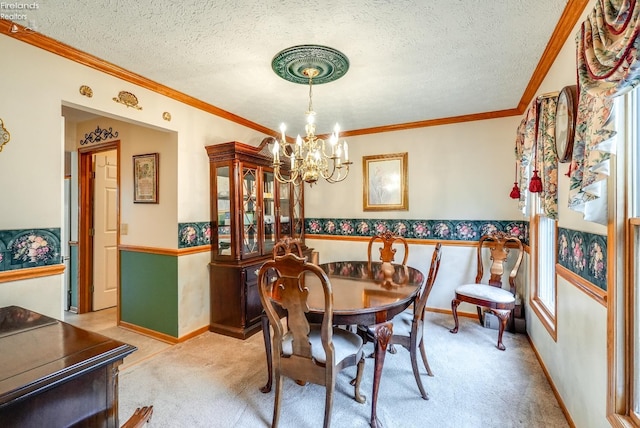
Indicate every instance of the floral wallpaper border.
{"type": "Point", "coordinates": [584, 254]}
{"type": "Point", "coordinates": [447, 230]}
{"type": "Point", "coordinates": [194, 234]}
{"type": "Point", "coordinates": [25, 248]}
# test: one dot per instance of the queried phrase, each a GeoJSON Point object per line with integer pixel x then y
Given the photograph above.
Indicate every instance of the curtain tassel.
{"type": "Point", "coordinates": [535, 185]}
{"type": "Point", "coordinates": [515, 192]}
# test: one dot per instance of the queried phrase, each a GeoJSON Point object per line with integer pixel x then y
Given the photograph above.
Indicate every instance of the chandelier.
{"type": "Point", "coordinates": [311, 158]}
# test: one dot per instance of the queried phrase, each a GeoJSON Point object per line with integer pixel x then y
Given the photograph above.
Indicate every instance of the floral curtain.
{"type": "Point", "coordinates": [525, 140]}
{"type": "Point", "coordinates": [536, 150]}
{"type": "Point", "coordinates": [607, 53]}
{"type": "Point", "coordinates": [547, 157]}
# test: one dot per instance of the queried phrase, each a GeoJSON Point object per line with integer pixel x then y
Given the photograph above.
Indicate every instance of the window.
{"type": "Point", "coordinates": [624, 269]}
{"type": "Point", "coordinates": [633, 354]}
{"type": "Point", "coordinates": [543, 291]}
{"type": "Point", "coordinates": [632, 286]}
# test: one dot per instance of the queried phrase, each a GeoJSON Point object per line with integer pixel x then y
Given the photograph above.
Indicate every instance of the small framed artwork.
{"type": "Point", "coordinates": [385, 185]}
{"type": "Point", "coordinates": [145, 179]}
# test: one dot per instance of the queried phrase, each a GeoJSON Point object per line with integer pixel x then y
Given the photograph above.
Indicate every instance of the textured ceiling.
{"type": "Point", "coordinates": [411, 60]}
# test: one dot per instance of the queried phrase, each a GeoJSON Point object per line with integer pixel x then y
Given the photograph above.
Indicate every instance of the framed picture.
{"type": "Point", "coordinates": [145, 179]}
{"type": "Point", "coordinates": [385, 185]}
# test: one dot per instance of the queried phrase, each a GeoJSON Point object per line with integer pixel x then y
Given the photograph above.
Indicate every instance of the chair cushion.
{"type": "Point", "coordinates": [486, 292]}
{"type": "Point", "coordinates": [345, 343]}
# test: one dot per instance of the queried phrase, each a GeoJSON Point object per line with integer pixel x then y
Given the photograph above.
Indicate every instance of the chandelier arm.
{"type": "Point", "coordinates": [281, 178]}
{"type": "Point", "coordinates": [338, 178]}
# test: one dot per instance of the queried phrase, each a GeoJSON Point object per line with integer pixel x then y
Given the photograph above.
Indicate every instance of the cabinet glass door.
{"type": "Point", "coordinates": [269, 211]}
{"type": "Point", "coordinates": [223, 207]}
{"type": "Point", "coordinates": [285, 209]}
{"type": "Point", "coordinates": [250, 240]}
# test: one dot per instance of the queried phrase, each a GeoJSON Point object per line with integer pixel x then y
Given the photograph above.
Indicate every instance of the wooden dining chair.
{"type": "Point", "coordinates": [492, 296]}
{"type": "Point", "coordinates": [302, 351]}
{"type": "Point", "coordinates": [408, 326]}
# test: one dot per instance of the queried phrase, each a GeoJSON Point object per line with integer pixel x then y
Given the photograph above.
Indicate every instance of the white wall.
{"type": "Point", "coordinates": [459, 171]}
{"type": "Point", "coordinates": [35, 84]}
{"type": "Point", "coordinates": [577, 361]}
{"type": "Point", "coordinates": [149, 225]}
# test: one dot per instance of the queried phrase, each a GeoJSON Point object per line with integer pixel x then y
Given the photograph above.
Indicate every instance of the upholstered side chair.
{"type": "Point", "coordinates": [302, 351]}
{"type": "Point", "coordinates": [492, 296]}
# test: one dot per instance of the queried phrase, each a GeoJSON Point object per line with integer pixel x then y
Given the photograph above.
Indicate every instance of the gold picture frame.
{"type": "Point", "coordinates": [145, 178]}
{"type": "Point", "coordinates": [385, 186]}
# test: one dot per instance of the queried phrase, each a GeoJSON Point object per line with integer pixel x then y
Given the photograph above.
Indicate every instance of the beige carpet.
{"type": "Point", "coordinates": [213, 381]}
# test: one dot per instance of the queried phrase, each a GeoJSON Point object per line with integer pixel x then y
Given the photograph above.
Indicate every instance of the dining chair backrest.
{"type": "Point", "coordinates": [425, 290]}
{"type": "Point", "coordinates": [303, 351]}
{"type": "Point", "coordinates": [289, 292]}
{"type": "Point", "coordinates": [387, 252]}
{"type": "Point", "coordinates": [288, 245]}
{"type": "Point", "coordinates": [498, 244]}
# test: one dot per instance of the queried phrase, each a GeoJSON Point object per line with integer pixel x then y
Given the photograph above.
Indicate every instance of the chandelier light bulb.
{"type": "Point", "coordinates": [283, 128]}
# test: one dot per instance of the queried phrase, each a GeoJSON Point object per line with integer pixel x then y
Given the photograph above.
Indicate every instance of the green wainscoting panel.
{"type": "Point", "coordinates": [149, 291]}
{"type": "Point", "coordinates": [73, 276]}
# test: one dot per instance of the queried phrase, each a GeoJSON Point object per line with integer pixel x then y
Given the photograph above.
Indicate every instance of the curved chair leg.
{"type": "Point", "coordinates": [413, 351]}
{"type": "Point", "coordinates": [359, 397]}
{"type": "Point", "coordinates": [424, 358]}
{"type": "Point", "coordinates": [504, 318]}
{"type": "Point", "coordinates": [328, 405]}
{"type": "Point", "coordinates": [454, 309]}
{"type": "Point", "coordinates": [480, 315]}
{"type": "Point", "coordinates": [277, 399]}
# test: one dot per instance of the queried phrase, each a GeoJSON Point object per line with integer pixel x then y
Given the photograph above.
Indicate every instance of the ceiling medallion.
{"type": "Point", "coordinates": [291, 63]}
{"type": "Point", "coordinates": [128, 99]}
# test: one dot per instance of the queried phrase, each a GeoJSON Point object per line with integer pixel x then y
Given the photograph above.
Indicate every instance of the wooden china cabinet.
{"type": "Point", "coordinates": [250, 212]}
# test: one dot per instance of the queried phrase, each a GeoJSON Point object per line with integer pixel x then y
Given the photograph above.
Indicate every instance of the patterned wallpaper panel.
{"type": "Point", "coordinates": [448, 230]}
{"type": "Point", "coordinates": [25, 248]}
{"type": "Point", "coordinates": [584, 254]}
{"type": "Point", "coordinates": [194, 234]}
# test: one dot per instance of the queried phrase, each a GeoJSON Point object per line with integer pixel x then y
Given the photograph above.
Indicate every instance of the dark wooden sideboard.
{"type": "Point", "coordinates": [55, 374]}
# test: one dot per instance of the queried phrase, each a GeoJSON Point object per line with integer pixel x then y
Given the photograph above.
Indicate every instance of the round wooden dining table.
{"type": "Point", "coordinates": [365, 295]}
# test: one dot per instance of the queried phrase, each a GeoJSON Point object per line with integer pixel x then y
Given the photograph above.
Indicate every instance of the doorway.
{"type": "Point", "coordinates": [99, 201]}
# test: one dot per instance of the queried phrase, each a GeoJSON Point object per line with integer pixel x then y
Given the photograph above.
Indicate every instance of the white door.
{"type": "Point", "coordinates": [105, 221]}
